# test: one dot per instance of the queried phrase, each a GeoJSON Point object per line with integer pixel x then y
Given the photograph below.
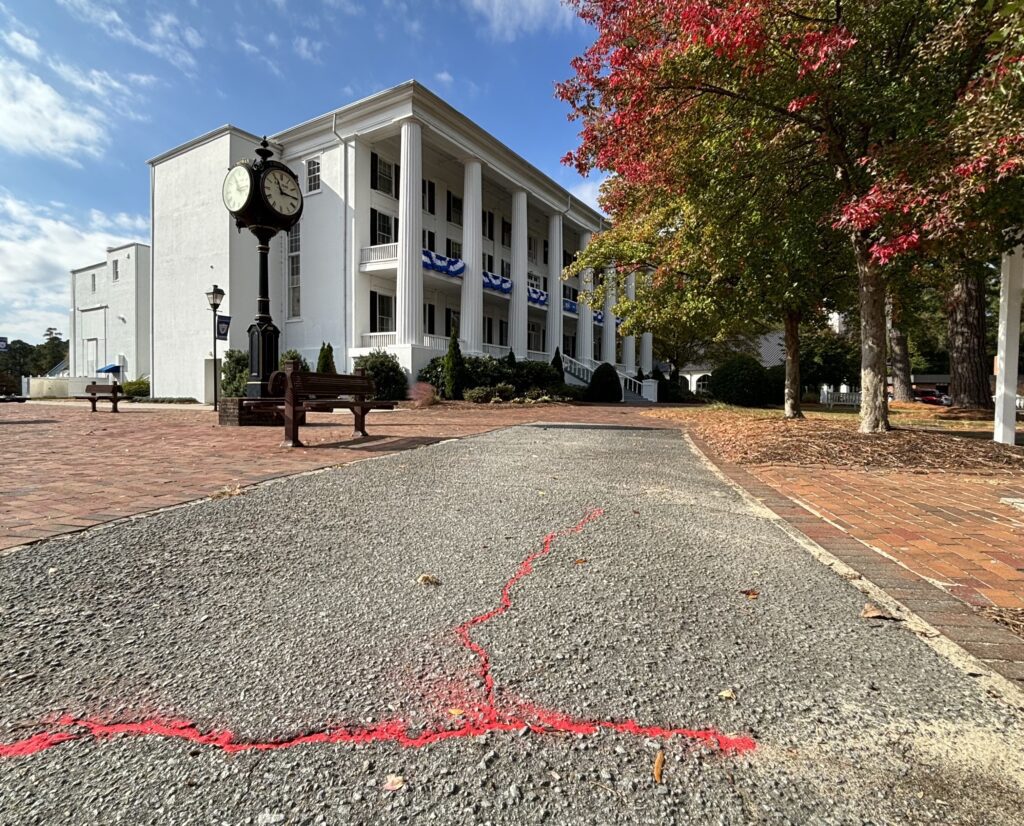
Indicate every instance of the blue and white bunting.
{"type": "Point", "coordinates": [453, 267]}
{"type": "Point", "coordinates": [497, 283]}
{"type": "Point", "coordinates": [535, 296]}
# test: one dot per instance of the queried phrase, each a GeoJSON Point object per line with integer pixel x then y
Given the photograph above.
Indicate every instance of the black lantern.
{"type": "Point", "coordinates": [215, 295]}
{"type": "Point", "coordinates": [264, 197]}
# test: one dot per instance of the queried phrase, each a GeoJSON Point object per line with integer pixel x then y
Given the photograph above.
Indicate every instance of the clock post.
{"type": "Point", "coordinates": [263, 196]}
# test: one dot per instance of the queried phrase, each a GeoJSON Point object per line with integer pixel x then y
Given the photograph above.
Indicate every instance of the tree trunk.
{"type": "Point", "coordinates": [792, 396]}
{"type": "Point", "coordinates": [902, 391]}
{"type": "Point", "coordinates": [968, 365]}
{"type": "Point", "coordinates": [874, 407]}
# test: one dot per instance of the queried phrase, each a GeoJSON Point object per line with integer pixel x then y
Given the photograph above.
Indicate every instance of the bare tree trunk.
{"type": "Point", "coordinates": [968, 365]}
{"type": "Point", "coordinates": [792, 396]}
{"type": "Point", "coordinates": [874, 406]}
{"type": "Point", "coordinates": [902, 391]}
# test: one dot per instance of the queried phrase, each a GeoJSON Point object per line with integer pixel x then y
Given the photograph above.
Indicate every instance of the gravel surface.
{"type": "Point", "coordinates": [295, 608]}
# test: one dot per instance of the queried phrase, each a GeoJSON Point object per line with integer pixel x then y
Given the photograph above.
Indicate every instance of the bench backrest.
{"type": "Point", "coordinates": [321, 384]}
{"type": "Point", "coordinates": [104, 389]}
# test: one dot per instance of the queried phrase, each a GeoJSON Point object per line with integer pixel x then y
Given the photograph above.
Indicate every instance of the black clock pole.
{"type": "Point", "coordinates": [264, 337]}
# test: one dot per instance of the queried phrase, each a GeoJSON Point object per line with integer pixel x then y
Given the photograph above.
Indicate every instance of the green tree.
{"type": "Point", "coordinates": [234, 373]}
{"type": "Point", "coordinates": [454, 370]}
{"type": "Point", "coordinates": [325, 359]}
{"type": "Point", "coordinates": [50, 353]}
{"type": "Point", "coordinates": [293, 355]}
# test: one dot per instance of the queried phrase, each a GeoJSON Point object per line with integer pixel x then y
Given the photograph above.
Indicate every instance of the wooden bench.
{"type": "Point", "coordinates": [103, 393]}
{"type": "Point", "coordinates": [295, 393]}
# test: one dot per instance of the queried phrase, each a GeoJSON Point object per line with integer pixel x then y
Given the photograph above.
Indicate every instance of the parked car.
{"type": "Point", "coordinates": [928, 397]}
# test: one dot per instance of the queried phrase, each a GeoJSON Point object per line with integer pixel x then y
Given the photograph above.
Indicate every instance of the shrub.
{"type": "Point", "coordinates": [505, 391]}
{"type": "Point", "coordinates": [423, 394]}
{"type": "Point", "coordinates": [293, 355]}
{"type": "Point", "coordinates": [454, 370]}
{"type": "Point", "coordinates": [604, 385]}
{"type": "Point", "coordinates": [137, 389]}
{"type": "Point", "coordinates": [479, 395]}
{"type": "Point", "coordinates": [510, 359]}
{"type": "Point", "coordinates": [433, 373]}
{"type": "Point", "coordinates": [535, 393]}
{"type": "Point", "coordinates": [529, 374]}
{"type": "Point", "coordinates": [670, 391]}
{"type": "Point", "coordinates": [325, 361]}
{"type": "Point", "coordinates": [740, 380]}
{"type": "Point", "coordinates": [483, 371]}
{"type": "Point", "coordinates": [657, 375]}
{"type": "Point", "coordinates": [570, 392]}
{"type": "Point", "coordinates": [776, 385]}
{"type": "Point", "coordinates": [387, 375]}
{"type": "Point", "coordinates": [9, 384]}
{"type": "Point", "coordinates": [234, 373]}
{"type": "Point", "coordinates": [558, 366]}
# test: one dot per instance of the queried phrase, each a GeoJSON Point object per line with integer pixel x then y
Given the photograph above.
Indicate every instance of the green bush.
{"type": "Point", "coordinates": [539, 374]}
{"type": "Point", "coordinates": [510, 359]}
{"type": "Point", "coordinates": [293, 355]}
{"type": "Point", "coordinates": [325, 360]}
{"type": "Point", "coordinates": [387, 375]}
{"type": "Point", "coordinates": [505, 391]}
{"type": "Point", "coordinates": [454, 370]}
{"type": "Point", "coordinates": [640, 374]}
{"type": "Point", "coordinates": [137, 389]}
{"type": "Point", "coordinates": [570, 392]}
{"type": "Point", "coordinates": [740, 380]}
{"type": "Point", "coordinates": [670, 391]}
{"type": "Point", "coordinates": [558, 366]}
{"type": "Point", "coordinates": [234, 373]}
{"type": "Point", "coordinates": [604, 385]}
{"type": "Point", "coordinates": [657, 375]}
{"type": "Point", "coordinates": [433, 374]}
{"type": "Point", "coordinates": [775, 392]}
{"type": "Point", "coordinates": [484, 371]}
{"type": "Point", "coordinates": [479, 395]}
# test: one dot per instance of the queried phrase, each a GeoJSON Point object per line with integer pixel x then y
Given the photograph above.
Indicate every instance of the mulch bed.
{"type": "Point", "coordinates": [757, 438]}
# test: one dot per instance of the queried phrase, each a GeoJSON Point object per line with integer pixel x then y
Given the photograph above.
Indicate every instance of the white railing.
{"type": "Point", "coordinates": [380, 340]}
{"type": "Point", "coordinates": [496, 350]}
{"type": "Point", "coordinates": [832, 398]}
{"type": "Point", "coordinates": [632, 385]}
{"type": "Point", "coordinates": [536, 355]}
{"type": "Point", "coordinates": [378, 253]}
{"type": "Point", "coordinates": [435, 342]}
{"type": "Point", "coordinates": [577, 369]}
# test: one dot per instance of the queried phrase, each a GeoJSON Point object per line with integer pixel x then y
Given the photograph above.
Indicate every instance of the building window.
{"type": "Point", "coordinates": [429, 191]}
{"type": "Point", "coordinates": [487, 224]}
{"type": "Point", "coordinates": [506, 233]}
{"type": "Point", "coordinates": [114, 274]}
{"type": "Point", "coordinates": [569, 345]}
{"type": "Point", "coordinates": [702, 383]}
{"type": "Point", "coordinates": [487, 263]}
{"type": "Point", "coordinates": [429, 312]}
{"type": "Point", "coordinates": [294, 273]}
{"type": "Point", "coordinates": [566, 258]}
{"type": "Point", "coordinates": [570, 292]}
{"type": "Point", "coordinates": [502, 333]}
{"type": "Point", "coordinates": [94, 282]}
{"type": "Point", "coordinates": [531, 249]}
{"type": "Point", "coordinates": [383, 228]}
{"type": "Point", "coordinates": [506, 269]}
{"type": "Point", "coordinates": [535, 337]}
{"type": "Point", "coordinates": [538, 282]}
{"type": "Point", "coordinates": [488, 330]}
{"type": "Point", "coordinates": [383, 175]}
{"type": "Point", "coordinates": [429, 240]}
{"type": "Point", "coordinates": [451, 322]}
{"type": "Point", "coordinates": [545, 252]}
{"type": "Point", "coordinates": [453, 249]}
{"type": "Point", "coordinates": [313, 175]}
{"type": "Point", "coordinates": [454, 209]}
{"type": "Point", "coordinates": [382, 312]}
{"type": "Point", "coordinates": [597, 348]}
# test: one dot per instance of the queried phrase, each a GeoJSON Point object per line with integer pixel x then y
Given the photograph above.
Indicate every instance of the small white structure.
{"type": "Point", "coordinates": [110, 314]}
{"type": "Point", "coordinates": [1010, 290]}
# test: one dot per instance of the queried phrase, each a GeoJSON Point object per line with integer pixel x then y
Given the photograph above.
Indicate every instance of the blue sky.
{"type": "Point", "coordinates": [90, 89]}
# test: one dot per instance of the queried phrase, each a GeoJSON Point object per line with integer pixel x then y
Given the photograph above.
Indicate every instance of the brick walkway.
{"type": "Point", "coordinates": [64, 468]}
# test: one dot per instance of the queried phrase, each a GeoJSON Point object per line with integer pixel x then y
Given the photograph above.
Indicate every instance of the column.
{"type": "Point", "coordinates": [585, 319]}
{"type": "Point", "coordinates": [409, 287]}
{"type": "Point", "coordinates": [517, 301]}
{"type": "Point", "coordinates": [471, 317]}
{"type": "Point", "coordinates": [608, 328]}
{"type": "Point", "coordinates": [629, 342]}
{"type": "Point", "coordinates": [555, 311]}
{"type": "Point", "coordinates": [1008, 342]}
{"type": "Point", "coordinates": [647, 353]}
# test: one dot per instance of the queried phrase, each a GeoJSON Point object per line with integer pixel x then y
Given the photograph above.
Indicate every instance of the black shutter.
{"type": "Point", "coordinates": [448, 321]}
{"type": "Point", "coordinates": [373, 311]}
{"type": "Point", "coordinates": [431, 201]}
{"type": "Point", "coordinates": [394, 224]}
{"type": "Point", "coordinates": [448, 216]}
{"type": "Point", "coordinates": [373, 170]}
{"type": "Point", "coordinates": [545, 252]}
{"type": "Point", "coordinates": [398, 171]}
{"type": "Point", "coordinates": [430, 319]}
{"type": "Point", "coordinates": [373, 226]}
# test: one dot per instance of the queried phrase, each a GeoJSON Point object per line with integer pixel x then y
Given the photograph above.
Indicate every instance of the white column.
{"type": "Point", "coordinates": [555, 309]}
{"type": "Point", "coordinates": [629, 342]}
{"type": "Point", "coordinates": [471, 316]}
{"type": "Point", "coordinates": [585, 315]}
{"type": "Point", "coordinates": [608, 327]}
{"type": "Point", "coordinates": [1008, 343]}
{"type": "Point", "coordinates": [647, 353]}
{"type": "Point", "coordinates": [517, 301]}
{"type": "Point", "coordinates": [409, 287]}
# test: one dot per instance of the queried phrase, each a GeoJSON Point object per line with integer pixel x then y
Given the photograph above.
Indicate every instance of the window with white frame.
{"type": "Point", "coordinates": [506, 269]}
{"type": "Point", "coordinates": [531, 249]}
{"type": "Point", "coordinates": [429, 192]}
{"type": "Point", "coordinates": [382, 312]}
{"type": "Point", "coordinates": [429, 318]}
{"type": "Point", "coordinates": [294, 273]}
{"type": "Point", "coordinates": [114, 272]}
{"type": "Point", "coordinates": [502, 333]}
{"type": "Point", "coordinates": [487, 223]}
{"type": "Point", "coordinates": [454, 209]}
{"type": "Point", "coordinates": [488, 330]}
{"type": "Point", "coordinates": [538, 282]}
{"type": "Point", "coordinates": [384, 179]}
{"type": "Point", "coordinates": [570, 292]}
{"type": "Point", "coordinates": [429, 240]}
{"type": "Point", "coordinates": [488, 262]}
{"type": "Point", "coordinates": [506, 233]}
{"type": "Point", "coordinates": [569, 345]}
{"type": "Point", "coordinates": [383, 228]}
{"type": "Point", "coordinates": [313, 175]}
{"type": "Point", "coordinates": [453, 249]}
{"type": "Point", "coordinates": [534, 337]}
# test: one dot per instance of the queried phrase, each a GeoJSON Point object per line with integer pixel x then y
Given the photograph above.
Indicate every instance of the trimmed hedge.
{"type": "Point", "coordinates": [387, 375]}
{"type": "Point", "coordinates": [137, 389]}
{"type": "Point", "coordinates": [740, 380]}
{"type": "Point", "coordinates": [292, 355]}
{"type": "Point", "coordinates": [484, 371]}
{"type": "Point", "coordinates": [604, 385]}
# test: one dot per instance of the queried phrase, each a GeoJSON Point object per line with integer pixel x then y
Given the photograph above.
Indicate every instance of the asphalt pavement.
{"type": "Point", "coordinates": [520, 627]}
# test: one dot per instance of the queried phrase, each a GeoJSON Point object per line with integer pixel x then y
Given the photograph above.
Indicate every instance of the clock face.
{"type": "Point", "coordinates": [282, 192]}
{"type": "Point", "coordinates": [237, 188]}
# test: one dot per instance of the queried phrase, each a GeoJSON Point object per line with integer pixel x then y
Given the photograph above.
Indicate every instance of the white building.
{"type": "Point", "coordinates": [417, 223]}
{"type": "Point", "coordinates": [110, 314]}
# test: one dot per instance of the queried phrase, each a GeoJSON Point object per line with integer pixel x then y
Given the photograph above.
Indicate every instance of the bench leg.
{"type": "Point", "coordinates": [93, 403]}
{"type": "Point", "coordinates": [360, 423]}
{"type": "Point", "coordinates": [291, 427]}
{"type": "Point", "coordinates": [113, 405]}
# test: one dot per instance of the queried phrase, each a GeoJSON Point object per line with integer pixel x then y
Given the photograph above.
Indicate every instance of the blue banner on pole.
{"type": "Point", "coordinates": [223, 324]}
{"type": "Point", "coordinates": [3, 344]}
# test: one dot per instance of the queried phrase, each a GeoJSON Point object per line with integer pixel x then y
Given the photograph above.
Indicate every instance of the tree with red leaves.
{"type": "Point", "coordinates": [852, 80]}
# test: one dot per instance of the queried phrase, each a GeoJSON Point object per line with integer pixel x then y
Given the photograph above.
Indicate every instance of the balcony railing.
{"type": "Point", "coordinates": [381, 340]}
{"type": "Point", "coordinates": [378, 253]}
{"type": "Point", "coordinates": [498, 351]}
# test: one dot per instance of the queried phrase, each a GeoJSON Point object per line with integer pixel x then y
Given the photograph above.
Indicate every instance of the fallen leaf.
{"type": "Point", "coordinates": [726, 694]}
{"type": "Point", "coordinates": [428, 579]}
{"type": "Point", "coordinates": [456, 712]}
{"type": "Point", "coordinates": [751, 593]}
{"type": "Point", "coordinates": [226, 491]}
{"type": "Point", "coordinates": [872, 611]}
{"type": "Point", "coordinates": [659, 765]}
{"type": "Point", "coordinates": [393, 783]}
{"type": "Point", "coordinates": [580, 561]}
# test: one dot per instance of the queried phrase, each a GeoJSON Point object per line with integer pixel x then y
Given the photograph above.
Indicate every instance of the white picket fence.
{"type": "Point", "coordinates": [831, 398]}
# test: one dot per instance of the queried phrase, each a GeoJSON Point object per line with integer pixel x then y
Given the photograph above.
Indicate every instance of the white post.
{"type": "Point", "coordinates": [647, 353]}
{"type": "Point", "coordinates": [629, 342]}
{"type": "Point", "coordinates": [555, 309]}
{"type": "Point", "coordinates": [1008, 343]}
{"type": "Point", "coordinates": [471, 317]}
{"type": "Point", "coordinates": [409, 286]}
{"type": "Point", "coordinates": [608, 325]}
{"type": "Point", "coordinates": [517, 306]}
{"type": "Point", "coordinates": [585, 315]}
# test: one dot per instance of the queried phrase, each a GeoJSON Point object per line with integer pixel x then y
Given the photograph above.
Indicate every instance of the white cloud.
{"type": "Point", "coordinates": [444, 78]}
{"type": "Point", "coordinates": [120, 222]}
{"type": "Point", "coordinates": [25, 46]}
{"type": "Point", "coordinates": [38, 120]}
{"type": "Point", "coordinates": [39, 245]}
{"type": "Point", "coordinates": [507, 19]}
{"type": "Point", "coordinates": [117, 95]}
{"type": "Point", "coordinates": [257, 52]}
{"type": "Point", "coordinates": [349, 7]}
{"type": "Point", "coordinates": [587, 190]}
{"type": "Point", "coordinates": [273, 40]}
{"type": "Point", "coordinates": [308, 49]}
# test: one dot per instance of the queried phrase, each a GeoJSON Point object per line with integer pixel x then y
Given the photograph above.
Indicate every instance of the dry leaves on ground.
{"type": "Point", "coordinates": [1012, 618]}
{"type": "Point", "coordinates": [428, 579]}
{"type": "Point", "coordinates": [659, 765]}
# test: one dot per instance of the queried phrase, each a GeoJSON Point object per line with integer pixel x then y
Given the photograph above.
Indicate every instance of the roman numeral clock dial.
{"type": "Point", "coordinates": [281, 192]}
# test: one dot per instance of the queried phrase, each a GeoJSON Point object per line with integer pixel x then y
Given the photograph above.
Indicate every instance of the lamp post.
{"type": "Point", "coordinates": [215, 295]}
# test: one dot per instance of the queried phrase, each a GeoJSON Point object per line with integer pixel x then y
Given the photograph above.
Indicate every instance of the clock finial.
{"type": "Point", "coordinates": [264, 151]}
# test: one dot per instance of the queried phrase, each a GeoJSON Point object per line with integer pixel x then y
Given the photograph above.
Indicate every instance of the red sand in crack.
{"type": "Point", "coordinates": [473, 723]}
